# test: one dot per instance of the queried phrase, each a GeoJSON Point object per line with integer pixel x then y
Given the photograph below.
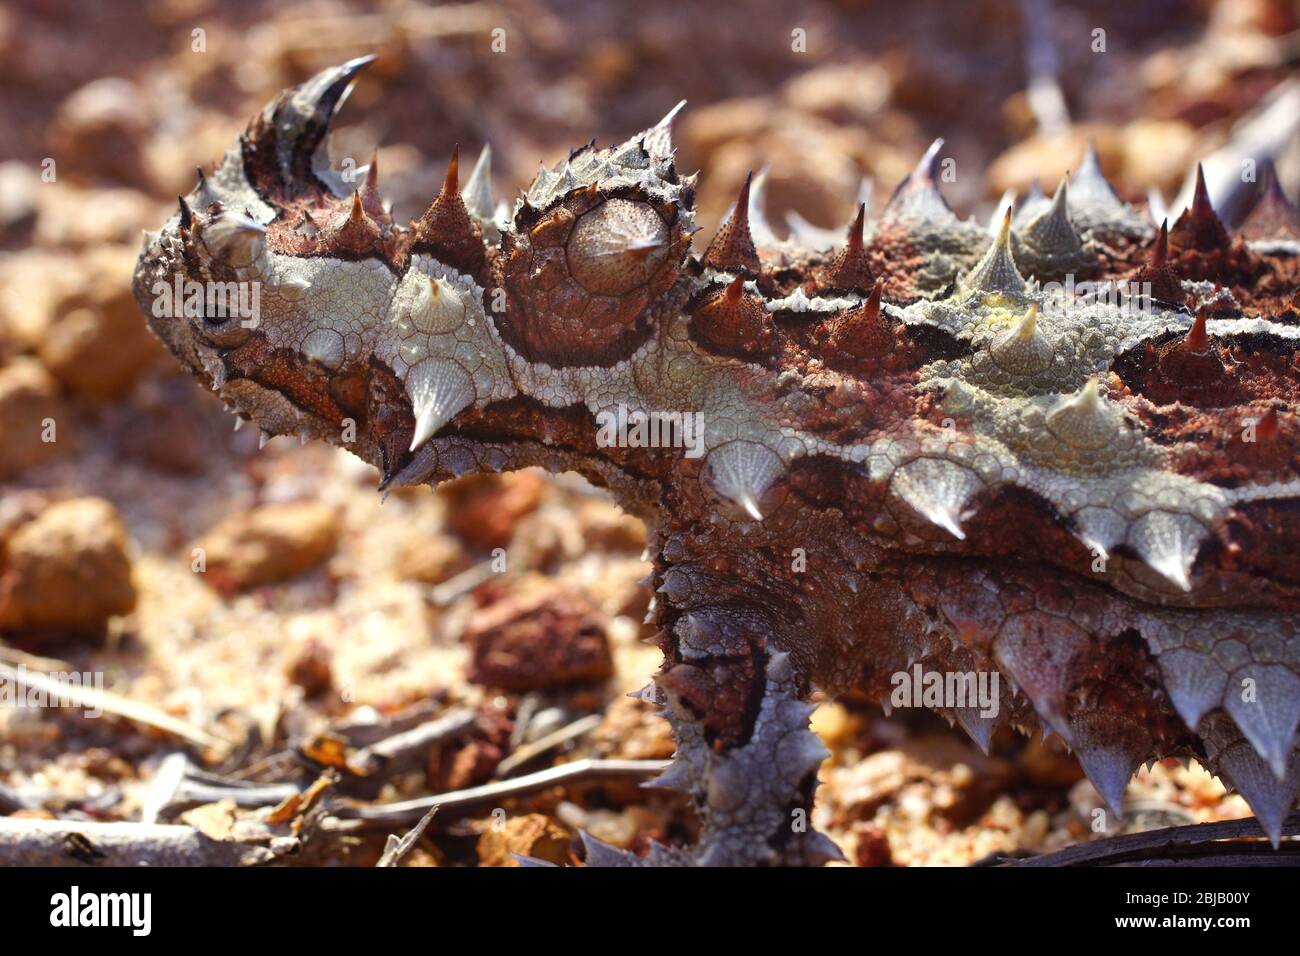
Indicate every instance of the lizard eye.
{"type": "Point", "coordinates": [582, 277]}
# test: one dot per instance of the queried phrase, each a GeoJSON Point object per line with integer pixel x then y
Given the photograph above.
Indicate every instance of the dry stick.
{"type": "Point", "coordinates": [408, 811]}
{"type": "Point", "coordinates": [542, 744]}
{"type": "Point", "coordinates": [89, 698]}
{"type": "Point", "coordinates": [73, 842]}
{"type": "Point", "coordinates": [400, 751]}
{"type": "Point", "coordinates": [1173, 842]}
{"type": "Point", "coordinates": [441, 595]}
{"type": "Point", "coordinates": [396, 849]}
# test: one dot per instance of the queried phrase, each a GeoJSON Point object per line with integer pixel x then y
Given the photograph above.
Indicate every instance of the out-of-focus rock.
{"type": "Point", "coordinates": [311, 668]}
{"type": "Point", "coordinates": [473, 764]}
{"type": "Point", "coordinates": [98, 343]}
{"type": "Point", "coordinates": [529, 834]}
{"type": "Point", "coordinates": [483, 509]}
{"type": "Point", "coordinates": [631, 730]}
{"type": "Point", "coordinates": [31, 413]}
{"type": "Point", "coordinates": [67, 570]}
{"type": "Point", "coordinates": [551, 637]}
{"type": "Point", "coordinates": [32, 284]}
{"type": "Point", "coordinates": [430, 559]}
{"type": "Point", "coordinates": [99, 131]}
{"type": "Point", "coordinates": [848, 93]}
{"type": "Point", "coordinates": [1048, 158]}
{"type": "Point", "coordinates": [18, 184]}
{"type": "Point", "coordinates": [269, 543]}
{"type": "Point", "coordinates": [86, 218]}
{"type": "Point", "coordinates": [1156, 153]}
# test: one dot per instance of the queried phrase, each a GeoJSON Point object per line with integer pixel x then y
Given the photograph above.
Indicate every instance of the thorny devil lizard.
{"type": "Point", "coordinates": [1095, 496]}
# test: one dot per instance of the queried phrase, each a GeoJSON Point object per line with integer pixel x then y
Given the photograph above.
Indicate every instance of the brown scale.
{"type": "Point", "coordinates": [734, 322]}
{"type": "Point", "coordinates": [446, 230]}
{"type": "Point", "coordinates": [579, 281]}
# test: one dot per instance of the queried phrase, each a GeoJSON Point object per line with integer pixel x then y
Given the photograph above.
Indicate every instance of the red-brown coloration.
{"type": "Point", "coordinates": [446, 230]}
{"type": "Point", "coordinates": [733, 321]}
{"type": "Point", "coordinates": [1084, 502]}
{"type": "Point", "coordinates": [1164, 284]}
{"type": "Point", "coordinates": [1274, 216]}
{"type": "Point", "coordinates": [851, 269]}
{"type": "Point", "coordinates": [576, 297]}
{"type": "Point", "coordinates": [732, 248]}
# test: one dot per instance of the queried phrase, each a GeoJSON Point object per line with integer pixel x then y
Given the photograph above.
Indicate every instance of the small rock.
{"type": "Point", "coordinates": [311, 669]}
{"type": "Point", "coordinates": [98, 343]}
{"type": "Point", "coordinates": [530, 834]}
{"type": "Point", "coordinates": [430, 559]}
{"type": "Point", "coordinates": [30, 413]}
{"type": "Point", "coordinates": [67, 570]}
{"type": "Point", "coordinates": [483, 509]}
{"type": "Point", "coordinates": [270, 543]}
{"type": "Point", "coordinates": [552, 637]}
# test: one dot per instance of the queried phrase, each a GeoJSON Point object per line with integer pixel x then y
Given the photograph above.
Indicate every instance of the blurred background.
{"type": "Point", "coordinates": [267, 614]}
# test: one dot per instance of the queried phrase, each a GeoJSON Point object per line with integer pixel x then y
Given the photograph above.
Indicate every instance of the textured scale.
{"type": "Point", "coordinates": [1096, 496]}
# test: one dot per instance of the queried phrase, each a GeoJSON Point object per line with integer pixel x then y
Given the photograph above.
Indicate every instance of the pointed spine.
{"type": "Point", "coordinates": [732, 248]}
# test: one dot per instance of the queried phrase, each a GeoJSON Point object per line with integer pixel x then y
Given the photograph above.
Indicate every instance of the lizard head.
{"type": "Point", "coordinates": [286, 286]}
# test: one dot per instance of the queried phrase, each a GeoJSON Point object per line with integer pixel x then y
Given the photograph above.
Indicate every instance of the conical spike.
{"type": "Point", "coordinates": [477, 194]}
{"type": "Point", "coordinates": [1273, 217]}
{"type": "Point", "coordinates": [1023, 349]}
{"type": "Point", "coordinates": [1156, 279]}
{"type": "Point", "coordinates": [1109, 765]}
{"type": "Point", "coordinates": [1198, 336]}
{"type": "Point", "coordinates": [370, 197]}
{"type": "Point", "coordinates": [1052, 231]}
{"type": "Point", "coordinates": [1267, 711]}
{"type": "Point", "coordinates": [996, 272]}
{"type": "Point", "coordinates": [1168, 542]}
{"type": "Point", "coordinates": [732, 248]}
{"type": "Point", "coordinates": [1085, 420]}
{"type": "Point", "coordinates": [937, 489]}
{"type": "Point", "coordinates": [742, 471]}
{"type": "Point", "coordinates": [600, 853]}
{"type": "Point", "coordinates": [187, 217]}
{"type": "Point", "coordinates": [917, 198]}
{"type": "Point", "coordinates": [1267, 427]}
{"type": "Point", "coordinates": [861, 333]}
{"type": "Point", "coordinates": [1199, 226]}
{"type": "Point", "coordinates": [446, 228]}
{"type": "Point", "coordinates": [733, 321]}
{"type": "Point", "coordinates": [1270, 797]}
{"type": "Point", "coordinates": [439, 389]}
{"type": "Point", "coordinates": [979, 728]}
{"type": "Point", "coordinates": [658, 140]}
{"type": "Point", "coordinates": [851, 269]}
{"type": "Point", "coordinates": [1194, 681]}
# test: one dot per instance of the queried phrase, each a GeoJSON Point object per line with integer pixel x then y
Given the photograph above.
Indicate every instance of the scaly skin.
{"type": "Point", "coordinates": [913, 453]}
